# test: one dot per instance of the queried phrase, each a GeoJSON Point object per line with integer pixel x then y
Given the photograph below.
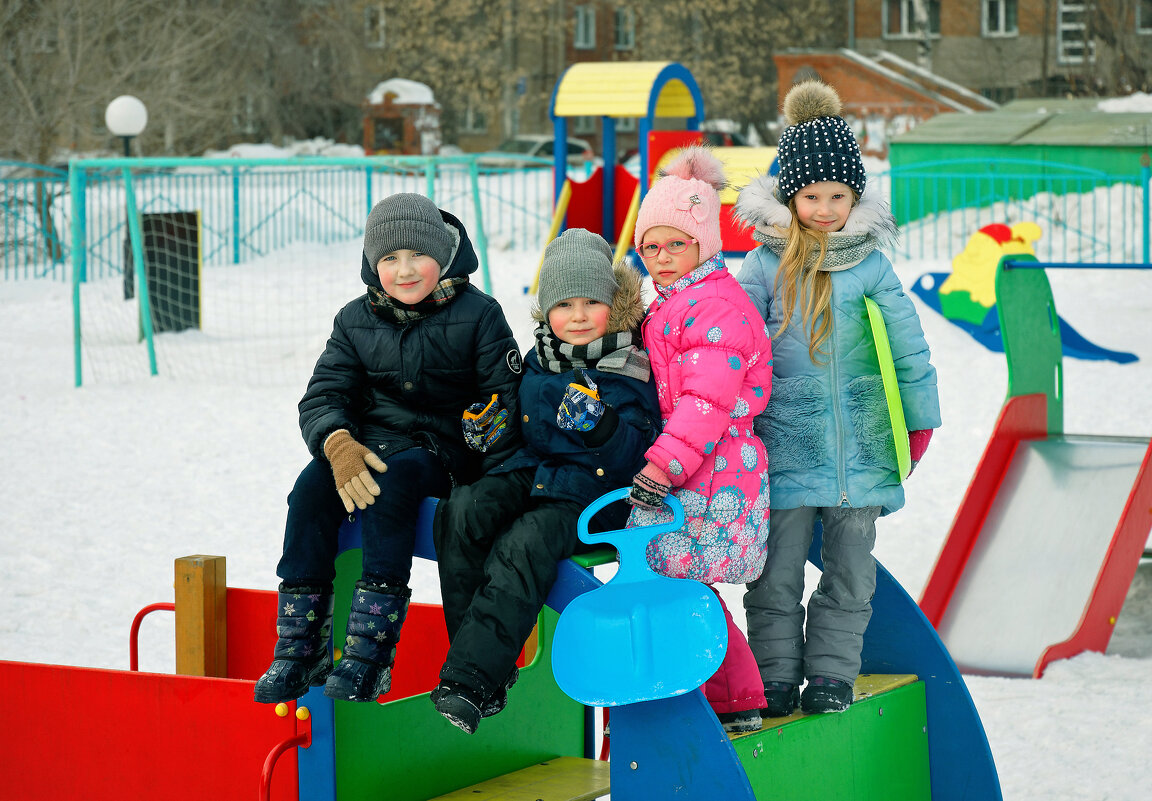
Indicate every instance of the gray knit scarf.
{"type": "Point", "coordinates": [611, 353]}
{"type": "Point", "coordinates": [844, 250]}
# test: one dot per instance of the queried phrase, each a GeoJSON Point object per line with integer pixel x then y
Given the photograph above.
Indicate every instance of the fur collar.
{"type": "Point", "coordinates": [759, 207]}
{"type": "Point", "coordinates": [627, 304]}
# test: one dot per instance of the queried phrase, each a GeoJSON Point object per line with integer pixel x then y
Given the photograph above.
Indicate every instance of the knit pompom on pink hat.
{"type": "Point", "coordinates": [685, 197]}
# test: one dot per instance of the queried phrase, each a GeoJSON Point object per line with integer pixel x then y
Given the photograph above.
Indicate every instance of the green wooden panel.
{"type": "Point", "coordinates": [405, 751]}
{"type": "Point", "coordinates": [877, 749]}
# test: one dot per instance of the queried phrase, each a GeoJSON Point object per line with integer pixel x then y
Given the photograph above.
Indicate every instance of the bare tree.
{"type": "Point", "coordinates": [728, 46]}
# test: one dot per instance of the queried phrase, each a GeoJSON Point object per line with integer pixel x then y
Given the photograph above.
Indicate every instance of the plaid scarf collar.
{"type": "Point", "coordinates": [707, 268]}
{"type": "Point", "coordinates": [388, 308]}
{"type": "Point", "coordinates": [611, 353]}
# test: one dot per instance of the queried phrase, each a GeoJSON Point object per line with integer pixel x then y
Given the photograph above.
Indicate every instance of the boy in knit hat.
{"type": "Point", "coordinates": [589, 411]}
{"type": "Point", "coordinates": [382, 419]}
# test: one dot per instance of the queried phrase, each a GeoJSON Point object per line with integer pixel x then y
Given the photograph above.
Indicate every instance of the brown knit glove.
{"type": "Point", "coordinates": [350, 462]}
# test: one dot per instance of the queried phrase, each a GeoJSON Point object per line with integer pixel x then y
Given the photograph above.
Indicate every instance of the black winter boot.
{"type": "Point", "coordinates": [459, 704]}
{"type": "Point", "coordinates": [301, 658]}
{"type": "Point", "coordinates": [365, 670]}
{"type": "Point", "coordinates": [826, 695]}
{"type": "Point", "coordinates": [781, 699]}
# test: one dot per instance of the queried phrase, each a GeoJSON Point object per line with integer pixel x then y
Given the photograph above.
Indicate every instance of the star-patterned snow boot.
{"type": "Point", "coordinates": [365, 670]}
{"type": "Point", "coordinates": [301, 658]}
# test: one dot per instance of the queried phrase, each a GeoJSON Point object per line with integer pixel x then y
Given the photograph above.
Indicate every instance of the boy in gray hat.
{"type": "Point", "coordinates": [589, 413]}
{"type": "Point", "coordinates": [381, 417]}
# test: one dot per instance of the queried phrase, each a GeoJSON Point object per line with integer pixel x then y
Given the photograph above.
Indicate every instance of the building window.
{"type": "Point", "coordinates": [1144, 16]}
{"type": "Point", "coordinates": [999, 18]}
{"type": "Point", "coordinates": [585, 37]}
{"type": "Point", "coordinates": [625, 124]}
{"type": "Point", "coordinates": [583, 125]}
{"type": "Point", "coordinates": [899, 18]}
{"type": "Point", "coordinates": [625, 29]}
{"type": "Point", "coordinates": [474, 120]}
{"type": "Point", "coordinates": [374, 25]}
{"type": "Point", "coordinates": [1072, 33]}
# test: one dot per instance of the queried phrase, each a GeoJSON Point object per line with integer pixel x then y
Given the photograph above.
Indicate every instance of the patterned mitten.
{"type": "Point", "coordinates": [649, 487]}
{"type": "Point", "coordinates": [581, 407]}
{"type": "Point", "coordinates": [484, 425]}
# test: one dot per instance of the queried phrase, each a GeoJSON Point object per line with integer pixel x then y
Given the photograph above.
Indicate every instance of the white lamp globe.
{"type": "Point", "coordinates": [126, 116]}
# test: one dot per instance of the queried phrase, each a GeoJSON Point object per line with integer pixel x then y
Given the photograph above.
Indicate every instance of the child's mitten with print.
{"type": "Point", "coordinates": [581, 407]}
{"type": "Point", "coordinates": [649, 487]}
{"type": "Point", "coordinates": [350, 462]}
{"type": "Point", "coordinates": [484, 424]}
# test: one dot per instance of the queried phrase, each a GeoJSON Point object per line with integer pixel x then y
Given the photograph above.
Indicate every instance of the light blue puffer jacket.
{"type": "Point", "coordinates": [826, 428]}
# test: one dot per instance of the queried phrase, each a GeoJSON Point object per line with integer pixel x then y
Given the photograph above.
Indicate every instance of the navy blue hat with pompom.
{"type": "Point", "coordinates": [817, 145]}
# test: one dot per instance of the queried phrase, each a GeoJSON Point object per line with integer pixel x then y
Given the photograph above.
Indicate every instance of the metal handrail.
{"type": "Point", "coordinates": [134, 634]}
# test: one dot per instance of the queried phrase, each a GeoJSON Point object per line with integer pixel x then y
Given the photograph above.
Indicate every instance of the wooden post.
{"type": "Point", "coordinates": [201, 616]}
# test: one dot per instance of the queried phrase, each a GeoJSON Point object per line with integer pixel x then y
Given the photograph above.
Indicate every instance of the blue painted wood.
{"type": "Point", "coordinates": [674, 749]}
{"type": "Point", "coordinates": [900, 639]}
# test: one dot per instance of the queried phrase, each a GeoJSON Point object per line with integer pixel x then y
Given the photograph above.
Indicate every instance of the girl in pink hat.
{"type": "Point", "coordinates": [712, 363]}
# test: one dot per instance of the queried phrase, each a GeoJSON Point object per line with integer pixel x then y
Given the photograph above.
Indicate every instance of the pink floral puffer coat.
{"type": "Point", "coordinates": [712, 363]}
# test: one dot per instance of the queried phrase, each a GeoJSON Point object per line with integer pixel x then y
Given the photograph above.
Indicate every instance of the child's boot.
{"type": "Point", "coordinates": [781, 699]}
{"type": "Point", "coordinates": [301, 658]}
{"type": "Point", "coordinates": [740, 722]}
{"type": "Point", "coordinates": [365, 670]}
{"type": "Point", "coordinates": [824, 694]}
{"type": "Point", "coordinates": [461, 705]}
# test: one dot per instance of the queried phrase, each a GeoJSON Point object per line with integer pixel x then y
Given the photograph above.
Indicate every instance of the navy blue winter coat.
{"type": "Point", "coordinates": [566, 466]}
{"type": "Point", "coordinates": [395, 386]}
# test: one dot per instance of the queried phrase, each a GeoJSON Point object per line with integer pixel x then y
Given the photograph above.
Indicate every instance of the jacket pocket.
{"type": "Point", "coordinates": [792, 427]}
{"type": "Point", "coordinates": [868, 409]}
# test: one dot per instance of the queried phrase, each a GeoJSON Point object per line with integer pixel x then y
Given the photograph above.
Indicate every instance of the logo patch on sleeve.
{"type": "Point", "coordinates": [514, 362]}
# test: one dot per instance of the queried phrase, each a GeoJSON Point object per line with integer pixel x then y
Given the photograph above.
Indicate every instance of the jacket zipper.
{"type": "Point", "coordinates": [837, 416]}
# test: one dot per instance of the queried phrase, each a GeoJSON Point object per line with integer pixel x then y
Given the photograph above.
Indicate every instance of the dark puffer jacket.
{"type": "Point", "coordinates": [395, 386]}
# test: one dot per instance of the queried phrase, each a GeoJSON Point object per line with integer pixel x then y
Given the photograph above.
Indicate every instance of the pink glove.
{"type": "Point", "coordinates": [917, 444]}
{"type": "Point", "coordinates": [649, 487]}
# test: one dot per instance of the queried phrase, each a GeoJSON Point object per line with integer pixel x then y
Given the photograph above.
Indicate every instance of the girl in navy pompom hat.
{"type": "Point", "coordinates": [827, 430]}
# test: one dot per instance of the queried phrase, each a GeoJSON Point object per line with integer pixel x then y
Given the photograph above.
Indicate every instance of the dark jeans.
{"type": "Point", "coordinates": [497, 548]}
{"type": "Point", "coordinates": [388, 526]}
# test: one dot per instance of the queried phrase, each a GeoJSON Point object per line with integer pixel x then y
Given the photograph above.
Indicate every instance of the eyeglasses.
{"type": "Point", "coordinates": [649, 250]}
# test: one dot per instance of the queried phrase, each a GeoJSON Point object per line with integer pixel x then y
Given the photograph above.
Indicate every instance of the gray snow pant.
{"type": "Point", "coordinates": [839, 609]}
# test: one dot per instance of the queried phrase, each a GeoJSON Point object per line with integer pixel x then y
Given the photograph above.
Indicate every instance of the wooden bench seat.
{"type": "Point", "coordinates": [560, 779]}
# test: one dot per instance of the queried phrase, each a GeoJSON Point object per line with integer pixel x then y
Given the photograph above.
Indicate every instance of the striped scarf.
{"type": "Point", "coordinates": [388, 308]}
{"type": "Point", "coordinates": [611, 353]}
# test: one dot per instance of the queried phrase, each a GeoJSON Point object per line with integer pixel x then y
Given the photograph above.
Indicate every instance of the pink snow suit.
{"type": "Point", "coordinates": [712, 363]}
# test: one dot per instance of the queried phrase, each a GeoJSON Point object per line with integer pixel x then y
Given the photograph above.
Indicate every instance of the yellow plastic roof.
{"type": "Point", "coordinates": [620, 89]}
{"type": "Point", "coordinates": [741, 165]}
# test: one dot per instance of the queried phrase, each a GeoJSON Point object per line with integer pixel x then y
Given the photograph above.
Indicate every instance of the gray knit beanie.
{"type": "Point", "coordinates": [406, 222]}
{"type": "Point", "coordinates": [577, 264]}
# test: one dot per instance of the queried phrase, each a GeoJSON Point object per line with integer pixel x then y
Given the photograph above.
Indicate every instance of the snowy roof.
{"type": "Point", "coordinates": [405, 91]}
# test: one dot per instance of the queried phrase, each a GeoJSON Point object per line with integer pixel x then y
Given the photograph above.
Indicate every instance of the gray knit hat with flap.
{"type": "Point", "coordinates": [406, 222]}
{"type": "Point", "coordinates": [817, 145]}
{"type": "Point", "coordinates": [577, 264]}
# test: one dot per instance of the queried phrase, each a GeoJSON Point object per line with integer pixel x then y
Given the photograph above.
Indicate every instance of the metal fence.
{"type": "Point", "coordinates": [253, 207]}
{"type": "Point", "coordinates": [35, 218]}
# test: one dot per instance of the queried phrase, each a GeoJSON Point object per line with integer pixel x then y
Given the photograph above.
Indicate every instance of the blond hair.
{"type": "Point", "coordinates": [800, 275]}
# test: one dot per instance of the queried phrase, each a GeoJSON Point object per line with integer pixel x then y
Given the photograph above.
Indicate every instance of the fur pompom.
{"type": "Point", "coordinates": [699, 163]}
{"type": "Point", "coordinates": [809, 101]}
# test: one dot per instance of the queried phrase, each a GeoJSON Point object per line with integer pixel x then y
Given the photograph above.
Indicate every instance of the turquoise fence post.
{"type": "Point", "coordinates": [479, 235]}
{"type": "Point", "coordinates": [1146, 183]}
{"type": "Point", "coordinates": [430, 179]}
{"type": "Point", "coordinates": [141, 273]}
{"type": "Point", "coordinates": [76, 189]}
{"type": "Point", "coordinates": [235, 215]}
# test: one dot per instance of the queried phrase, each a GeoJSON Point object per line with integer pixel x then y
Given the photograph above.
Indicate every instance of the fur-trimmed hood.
{"type": "Point", "coordinates": [627, 303]}
{"type": "Point", "coordinates": [758, 206]}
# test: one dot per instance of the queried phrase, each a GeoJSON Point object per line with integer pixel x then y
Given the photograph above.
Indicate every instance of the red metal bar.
{"type": "Point", "coordinates": [302, 738]}
{"type": "Point", "coordinates": [133, 636]}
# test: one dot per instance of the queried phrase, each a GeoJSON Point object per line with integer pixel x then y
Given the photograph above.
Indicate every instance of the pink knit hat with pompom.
{"type": "Point", "coordinates": [685, 197]}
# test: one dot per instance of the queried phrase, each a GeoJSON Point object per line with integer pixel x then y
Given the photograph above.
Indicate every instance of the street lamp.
{"type": "Point", "coordinates": [126, 117]}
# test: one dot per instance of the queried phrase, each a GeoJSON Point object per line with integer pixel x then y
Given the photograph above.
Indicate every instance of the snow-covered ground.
{"type": "Point", "coordinates": [102, 487]}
